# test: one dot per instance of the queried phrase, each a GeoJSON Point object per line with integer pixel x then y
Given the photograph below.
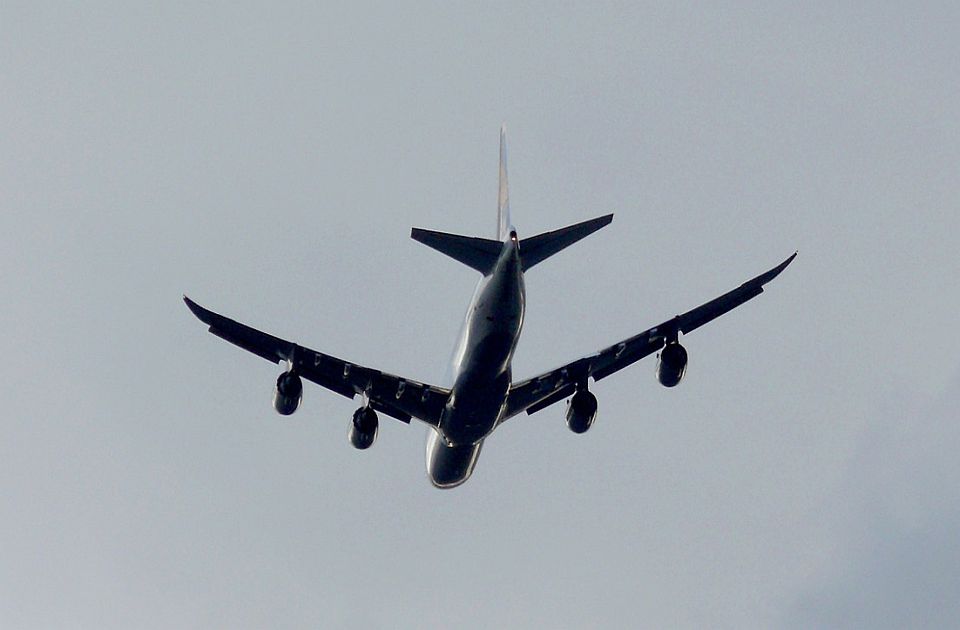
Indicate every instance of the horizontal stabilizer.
{"type": "Point", "coordinates": [542, 246]}
{"type": "Point", "coordinates": [479, 253]}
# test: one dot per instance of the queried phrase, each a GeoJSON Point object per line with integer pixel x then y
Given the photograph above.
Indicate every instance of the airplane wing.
{"type": "Point", "coordinates": [539, 392]}
{"type": "Point", "coordinates": [398, 397]}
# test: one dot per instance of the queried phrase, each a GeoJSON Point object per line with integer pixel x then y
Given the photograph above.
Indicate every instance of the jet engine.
{"type": "Point", "coordinates": [581, 411]}
{"type": "Point", "coordinates": [672, 364]}
{"type": "Point", "coordinates": [288, 393]}
{"type": "Point", "coordinates": [363, 432]}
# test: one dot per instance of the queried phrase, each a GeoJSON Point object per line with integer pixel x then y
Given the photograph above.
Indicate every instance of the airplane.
{"type": "Point", "coordinates": [481, 394]}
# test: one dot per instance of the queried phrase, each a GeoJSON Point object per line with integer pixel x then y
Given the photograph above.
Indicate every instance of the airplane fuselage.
{"type": "Point", "coordinates": [481, 371]}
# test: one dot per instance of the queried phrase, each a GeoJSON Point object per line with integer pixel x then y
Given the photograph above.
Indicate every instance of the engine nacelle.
{"type": "Point", "coordinates": [672, 364]}
{"type": "Point", "coordinates": [288, 393]}
{"type": "Point", "coordinates": [581, 411]}
{"type": "Point", "coordinates": [363, 432]}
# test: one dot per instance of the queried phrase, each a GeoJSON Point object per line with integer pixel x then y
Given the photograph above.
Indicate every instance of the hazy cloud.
{"type": "Point", "coordinates": [896, 514]}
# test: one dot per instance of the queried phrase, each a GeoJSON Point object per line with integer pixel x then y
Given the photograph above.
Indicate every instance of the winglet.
{"type": "Point", "coordinates": [773, 273]}
{"type": "Point", "coordinates": [267, 346]}
{"type": "Point", "coordinates": [691, 320]}
{"type": "Point", "coordinates": [202, 314]}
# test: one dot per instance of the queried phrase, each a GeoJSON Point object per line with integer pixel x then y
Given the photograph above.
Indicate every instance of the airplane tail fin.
{"type": "Point", "coordinates": [503, 197]}
{"type": "Point", "coordinates": [538, 248]}
{"type": "Point", "coordinates": [482, 254]}
{"type": "Point", "coordinates": [478, 253]}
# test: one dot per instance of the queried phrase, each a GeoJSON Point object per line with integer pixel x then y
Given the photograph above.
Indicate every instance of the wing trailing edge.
{"type": "Point", "coordinates": [398, 397]}
{"type": "Point", "coordinates": [541, 391]}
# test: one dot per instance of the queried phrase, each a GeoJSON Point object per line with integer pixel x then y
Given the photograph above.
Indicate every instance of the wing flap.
{"type": "Point", "coordinates": [539, 392]}
{"type": "Point", "coordinates": [328, 371]}
{"type": "Point", "coordinates": [397, 397]}
{"type": "Point", "coordinates": [750, 289]}
{"type": "Point", "coordinates": [271, 348]}
{"type": "Point", "coordinates": [563, 392]}
{"type": "Point", "coordinates": [627, 353]}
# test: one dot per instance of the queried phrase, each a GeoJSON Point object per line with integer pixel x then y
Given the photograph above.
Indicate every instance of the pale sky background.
{"type": "Point", "coordinates": [269, 160]}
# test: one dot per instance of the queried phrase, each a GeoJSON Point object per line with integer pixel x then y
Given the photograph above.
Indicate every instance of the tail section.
{"type": "Point", "coordinates": [479, 253]}
{"type": "Point", "coordinates": [503, 198]}
{"type": "Point", "coordinates": [542, 246]}
{"type": "Point", "coordinates": [482, 254]}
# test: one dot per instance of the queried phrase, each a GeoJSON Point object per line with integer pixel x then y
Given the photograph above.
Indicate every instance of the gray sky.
{"type": "Point", "coordinates": [270, 161]}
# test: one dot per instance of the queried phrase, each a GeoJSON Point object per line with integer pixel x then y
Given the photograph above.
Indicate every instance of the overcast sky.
{"type": "Point", "coordinates": [270, 160]}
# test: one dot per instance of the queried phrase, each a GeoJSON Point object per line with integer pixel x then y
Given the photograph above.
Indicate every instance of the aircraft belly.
{"type": "Point", "coordinates": [474, 408]}
{"type": "Point", "coordinates": [450, 466]}
{"type": "Point", "coordinates": [481, 372]}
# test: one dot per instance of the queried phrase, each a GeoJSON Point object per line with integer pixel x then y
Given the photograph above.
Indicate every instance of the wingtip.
{"type": "Point", "coordinates": [196, 309]}
{"type": "Point", "coordinates": [601, 222]}
{"type": "Point", "coordinates": [785, 263]}
{"type": "Point", "coordinates": [773, 273]}
{"type": "Point", "coordinates": [766, 277]}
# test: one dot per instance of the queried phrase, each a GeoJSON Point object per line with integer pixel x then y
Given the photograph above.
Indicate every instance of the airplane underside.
{"type": "Point", "coordinates": [450, 466]}
{"type": "Point", "coordinates": [482, 395]}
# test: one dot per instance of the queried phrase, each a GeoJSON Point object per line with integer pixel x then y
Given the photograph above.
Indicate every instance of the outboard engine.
{"type": "Point", "coordinates": [363, 432]}
{"type": "Point", "coordinates": [672, 364]}
{"type": "Point", "coordinates": [288, 393]}
{"type": "Point", "coordinates": [581, 411]}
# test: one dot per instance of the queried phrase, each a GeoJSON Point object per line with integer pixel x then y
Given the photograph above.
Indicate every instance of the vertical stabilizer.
{"type": "Point", "coordinates": [503, 199]}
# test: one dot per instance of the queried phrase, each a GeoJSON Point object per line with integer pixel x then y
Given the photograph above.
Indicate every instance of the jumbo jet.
{"type": "Point", "coordinates": [481, 394]}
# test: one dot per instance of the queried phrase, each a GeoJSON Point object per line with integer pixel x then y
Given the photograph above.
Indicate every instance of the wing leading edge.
{"type": "Point", "coordinates": [539, 392]}
{"type": "Point", "coordinates": [398, 397]}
